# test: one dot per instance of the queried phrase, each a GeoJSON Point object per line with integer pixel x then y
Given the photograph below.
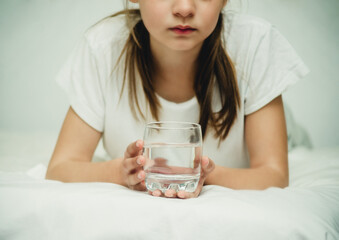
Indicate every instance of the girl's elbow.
{"type": "Point", "coordinates": [283, 179]}
{"type": "Point", "coordinates": [52, 172]}
{"type": "Point", "coordinates": [50, 175]}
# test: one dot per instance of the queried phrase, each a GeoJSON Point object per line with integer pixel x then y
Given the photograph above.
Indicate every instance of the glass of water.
{"type": "Point", "coordinates": [173, 152]}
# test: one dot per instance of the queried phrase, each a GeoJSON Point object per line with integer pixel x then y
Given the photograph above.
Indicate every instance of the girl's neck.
{"type": "Point", "coordinates": [174, 72]}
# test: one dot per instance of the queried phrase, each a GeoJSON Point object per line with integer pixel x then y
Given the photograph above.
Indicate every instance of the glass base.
{"type": "Point", "coordinates": [177, 182]}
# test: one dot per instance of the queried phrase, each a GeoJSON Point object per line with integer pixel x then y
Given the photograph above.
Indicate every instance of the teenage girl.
{"type": "Point", "coordinates": [178, 60]}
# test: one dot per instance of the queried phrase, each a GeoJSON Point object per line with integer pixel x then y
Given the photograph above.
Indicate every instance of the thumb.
{"type": "Point", "coordinates": [207, 165]}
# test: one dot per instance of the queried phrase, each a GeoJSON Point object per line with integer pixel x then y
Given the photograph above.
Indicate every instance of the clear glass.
{"type": "Point", "coordinates": [173, 153]}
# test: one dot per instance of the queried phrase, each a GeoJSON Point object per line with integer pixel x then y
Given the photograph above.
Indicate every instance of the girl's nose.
{"type": "Point", "coordinates": [184, 8]}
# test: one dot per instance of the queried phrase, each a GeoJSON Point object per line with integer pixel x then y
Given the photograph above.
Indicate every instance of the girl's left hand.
{"type": "Point", "coordinates": [207, 166]}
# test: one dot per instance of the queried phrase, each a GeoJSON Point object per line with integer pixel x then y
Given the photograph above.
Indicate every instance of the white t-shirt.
{"type": "Point", "coordinates": [265, 63]}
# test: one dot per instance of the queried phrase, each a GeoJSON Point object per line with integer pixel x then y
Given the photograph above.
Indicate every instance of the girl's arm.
{"type": "Point", "coordinates": [71, 160]}
{"type": "Point", "coordinates": [266, 139]}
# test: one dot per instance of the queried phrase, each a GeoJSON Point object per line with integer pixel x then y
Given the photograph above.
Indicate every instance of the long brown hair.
{"type": "Point", "coordinates": [214, 67]}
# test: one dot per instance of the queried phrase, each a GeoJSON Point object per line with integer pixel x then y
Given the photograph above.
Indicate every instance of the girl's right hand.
{"type": "Point", "coordinates": [131, 168]}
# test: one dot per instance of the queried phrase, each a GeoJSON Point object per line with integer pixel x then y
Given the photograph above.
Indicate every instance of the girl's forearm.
{"type": "Point", "coordinates": [251, 178]}
{"type": "Point", "coordinates": [75, 171]}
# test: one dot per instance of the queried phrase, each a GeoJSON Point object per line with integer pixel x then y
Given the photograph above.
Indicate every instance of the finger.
{"type": "Point", "coordinates": [130, 164]}
{"type": "Point", "coordinates": [207, 166]}
{"type": "Point", "coordinates": [134, 149]}
{"type": "Point", "coordinates": [196, 163]}
{"type": "Point", "coordinates": [140, 186]}
{"type": "Point", "coordinates": [160, 162]}
{"type": "Point", "coordinates": [156, 193]}
{"type": "Point", "coordinates": [170, 193]}
{"type": "Point", "coordinates": [186, 195]}
{"type": "Point", "coordinates": [182, 194]}
{"type": "Point", "coordinates": [135, 178]}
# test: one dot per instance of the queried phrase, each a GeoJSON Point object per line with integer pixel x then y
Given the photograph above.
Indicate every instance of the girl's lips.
{"type": "Point", "coordinates": [183, 30]}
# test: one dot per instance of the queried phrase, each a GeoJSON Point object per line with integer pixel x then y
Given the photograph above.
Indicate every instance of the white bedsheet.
{"type": "Point", "coordinates": [34, 208]}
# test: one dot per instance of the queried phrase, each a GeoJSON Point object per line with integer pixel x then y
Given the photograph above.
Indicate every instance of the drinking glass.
{"type": "Point", "coordinates": [173, 152]}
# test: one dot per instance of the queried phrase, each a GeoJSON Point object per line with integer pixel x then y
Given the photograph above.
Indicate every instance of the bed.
{"type": "Point", "coordinates": [34, 208]}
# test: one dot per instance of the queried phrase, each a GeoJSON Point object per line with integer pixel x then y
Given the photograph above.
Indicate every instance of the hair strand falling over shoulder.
{"type": "Point", "coordinates": [215, 68]}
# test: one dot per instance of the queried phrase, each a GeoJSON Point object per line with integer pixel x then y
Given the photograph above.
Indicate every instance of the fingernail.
{"type": "Point", "coordinates": [181, 194]}
{"type": "Point", "coordinates": [137, 144]}
{"type": "Point", "coordinates": [168, 194]}
{"type": "Point", "coordinates": [139, 160]}
{"type": "Point", "coordinates": [156, 194]}
{"type": "Point", "coordinates": [139, 175]}
{"type": "Point", "coordinates": [207, 161]}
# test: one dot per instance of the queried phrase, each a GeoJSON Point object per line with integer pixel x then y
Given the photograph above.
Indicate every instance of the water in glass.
{"type": "Point", "coordinates": [172, 166]}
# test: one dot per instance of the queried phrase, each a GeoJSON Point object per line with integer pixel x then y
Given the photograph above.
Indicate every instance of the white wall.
{"type": "Point", "coordinates": [37, 36]}
{"type": "Point", "coordinates": [312, 27]}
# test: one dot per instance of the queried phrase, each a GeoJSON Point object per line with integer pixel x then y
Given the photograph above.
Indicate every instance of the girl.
{"type": "Point", "coordinates": [178, 60]}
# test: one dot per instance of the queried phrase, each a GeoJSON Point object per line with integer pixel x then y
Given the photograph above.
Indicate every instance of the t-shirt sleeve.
{"type": "Point", "coordinates": [83, 80]}
{"type": "Point", "coordinates": [274, 67]}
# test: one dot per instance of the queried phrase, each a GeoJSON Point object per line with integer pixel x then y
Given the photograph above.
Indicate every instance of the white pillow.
{"type": "Point", "coordinates": [296, 134]}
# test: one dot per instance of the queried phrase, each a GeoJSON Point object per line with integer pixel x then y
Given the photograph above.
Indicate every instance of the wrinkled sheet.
{"type": "Point", "coordinates": [34, 208]}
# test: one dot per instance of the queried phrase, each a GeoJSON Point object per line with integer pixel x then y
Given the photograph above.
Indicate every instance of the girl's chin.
{"type": "Point", "coordinates": [184, 47]}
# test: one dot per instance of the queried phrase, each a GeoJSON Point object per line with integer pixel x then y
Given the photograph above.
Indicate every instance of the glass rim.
{"type": "Point", "coordinates": [172, 125]}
